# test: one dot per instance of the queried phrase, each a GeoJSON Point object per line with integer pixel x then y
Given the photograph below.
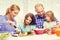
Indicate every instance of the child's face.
{"type": "Point", "coordinates": [28, 20]}
{"type": "Point", "coordinates": [39, 10]}
{"type": "Point", "coordinates": [47, 18]}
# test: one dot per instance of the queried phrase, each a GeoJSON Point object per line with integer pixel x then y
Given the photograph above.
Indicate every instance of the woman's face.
{"type": "Point", "coordinates": [14, 13]}
{"type": "Point", "coordinates": [28, 20]}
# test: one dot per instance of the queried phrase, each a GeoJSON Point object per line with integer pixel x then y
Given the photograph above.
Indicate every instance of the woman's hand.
{"type": "Point", "coordinates": [17, 30]}
{"type": "Point", "coordinates": [11, 23]}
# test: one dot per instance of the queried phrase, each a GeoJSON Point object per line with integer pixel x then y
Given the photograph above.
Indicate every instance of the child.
{"type": "Point", "coordinates": [49, 23]}
{"type": "Point", "coordinates": [29, 24]}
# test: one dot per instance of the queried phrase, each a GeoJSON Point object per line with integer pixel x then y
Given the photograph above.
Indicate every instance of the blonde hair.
{"type": "Point", "coordinates": [12, 8]}
{"type": "Point", "coordinates": [37, 5]}
{"type": "Point", "coordinates": [50, 14]}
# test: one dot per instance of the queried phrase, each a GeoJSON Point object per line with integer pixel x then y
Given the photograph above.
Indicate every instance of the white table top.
{"type": "Point", "coordinates": [35, 37]}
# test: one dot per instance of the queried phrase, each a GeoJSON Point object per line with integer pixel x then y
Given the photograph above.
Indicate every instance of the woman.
{"type": "Point", "coordinates": [7, 22]}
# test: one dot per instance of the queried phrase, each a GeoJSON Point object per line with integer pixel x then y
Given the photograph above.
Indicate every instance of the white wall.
{"type": "Point", "coordinates": [28, 6]}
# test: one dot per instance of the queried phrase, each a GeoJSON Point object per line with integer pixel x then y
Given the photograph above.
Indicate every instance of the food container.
{"type": "Point", "coordinates": [57, 32]}
{"type": "Point", "coordinates": [39, 31]}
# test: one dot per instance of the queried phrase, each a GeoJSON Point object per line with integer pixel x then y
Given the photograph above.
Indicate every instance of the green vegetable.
{"type": "Point", "coordinates": [3, 35]}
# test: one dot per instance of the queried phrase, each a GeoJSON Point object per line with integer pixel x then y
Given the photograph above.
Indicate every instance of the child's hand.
{"type": "Point", "coordinates": [49, 32]}
{"type": "Point", "coordinates": [53, 30]}
{"type": "Point", "coordinates": [22, 34]}
{"type": "Point", "coordinates": [46, 30]}
{"type": "Point", "coordinates": [32, 31]}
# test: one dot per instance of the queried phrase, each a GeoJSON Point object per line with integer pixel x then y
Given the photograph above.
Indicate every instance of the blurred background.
{"type": "Point", "coordinates": [27, 6]}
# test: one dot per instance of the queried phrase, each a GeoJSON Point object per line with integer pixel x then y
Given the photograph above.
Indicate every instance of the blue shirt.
{"type": "Point", "coordinates": [4, 26]}
{"type": "Point", "coordinates": [40, 21]}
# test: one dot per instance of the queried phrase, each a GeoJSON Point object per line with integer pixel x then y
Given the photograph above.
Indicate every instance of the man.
{"type": "Point", "coordinates": [40, 16]}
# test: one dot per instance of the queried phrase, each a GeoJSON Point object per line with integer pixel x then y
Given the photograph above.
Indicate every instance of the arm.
{"type": "Point", "coordinates": [55, 19]}
{"type": "Point", "coordinates": [11, 23]}
{"type": "Point", "coordinates": [33, 27]}
{"type": "Point", "coordinates": [46, 29]}
{"type": "Point", "coordinates": [44, 25]}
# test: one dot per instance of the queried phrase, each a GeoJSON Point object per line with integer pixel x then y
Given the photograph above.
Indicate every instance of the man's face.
{"type": "Point", "coordinates": [39, 10]}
